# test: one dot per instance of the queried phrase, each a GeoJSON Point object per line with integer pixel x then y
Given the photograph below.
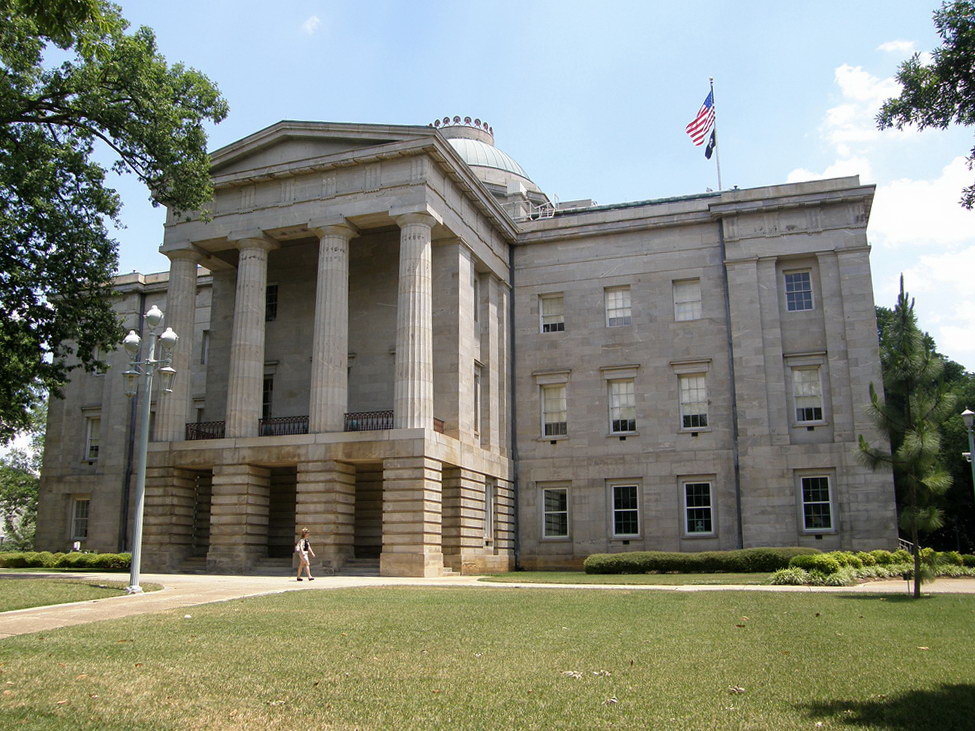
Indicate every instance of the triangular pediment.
{"type": "Point", "coordinates": [287, 143]}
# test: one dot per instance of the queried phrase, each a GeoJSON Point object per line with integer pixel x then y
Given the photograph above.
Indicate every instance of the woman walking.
{"type": "Point", "coordinates": [303, 549]}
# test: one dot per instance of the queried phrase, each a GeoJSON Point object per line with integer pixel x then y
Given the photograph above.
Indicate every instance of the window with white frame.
{"type": "Point", "coordinates": [693, 401]}
{"type": "Point", "coordinates": [817, 504]}
{"type": "Point", "coordinates": [626, 510]}
{"type": "Point", "coordinates": [79, 518]}
{"type": "Point", "coordinates": [798, 291]}
{"type": "Point", "coordinates": [554, 420]}
{"type": "Point", "coordinates": [698, 516]}
{"type": "Point", "coordinates": [807, 392]}
{"type": "Point", "coordinates": [618, 310]}
{"type": "Point", "coordinates": [622, 406]}
{"type": "Point", "coordinates": [555, 512]}
{"type": "Point", "coordinates": [551, 313]}
{"type": "Point", "coordinates": [687, 299]}
{"type": "Point", "coordinates": [93, 429]}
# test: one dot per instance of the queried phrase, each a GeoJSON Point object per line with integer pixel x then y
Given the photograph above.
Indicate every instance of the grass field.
{"type": "Point", "coordinates": [21, 593]}
{"type": "Point", "coordinates": [580, 577]}
{"type": "Point", "coordinates": [505, 658]}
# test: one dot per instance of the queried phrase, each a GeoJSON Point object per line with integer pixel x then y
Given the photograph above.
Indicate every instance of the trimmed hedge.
{"type": "Point", "coordinates": [48, 560]}
{"type": "Point", "coordinates": [743, 561]}
{"type": "Point", "coordinates": [824, 563]}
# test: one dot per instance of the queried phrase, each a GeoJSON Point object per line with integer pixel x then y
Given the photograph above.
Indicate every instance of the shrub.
{"type": "Point", "coordinates": [866, 558]}
{"type": "Point", "coordinates": [884, 558]}
{"type": "Point", "coordinates": [747, 560]}
{"type": "Point", "coordinates": [968, 560]}
{"type": "Point", "coordinates": [901, 556]}
{"type": "Point", "coordinates": [789, 577]}
{"type": "Point", "coordinates": [952, 558]}
{"type": "Point", "coordinates": [45, 559]}
{"type": "Point", "coordinates": [846, 558]}
{"type": "Point", "coordinates": [823, 563]}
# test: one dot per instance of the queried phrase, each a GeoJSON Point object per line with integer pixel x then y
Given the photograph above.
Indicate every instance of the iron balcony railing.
{"type": "Point", "coordinates": [281, 426]}
{"type": "Point", "coordinates": [205, 430]}
{"type": "Point", "coordinates": [377, 420]}
{"type": "Point", "coordinates": [288, 425]}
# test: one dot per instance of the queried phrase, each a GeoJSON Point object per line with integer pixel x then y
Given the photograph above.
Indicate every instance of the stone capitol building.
{"type": "Point", "coordinates": [390, 335]}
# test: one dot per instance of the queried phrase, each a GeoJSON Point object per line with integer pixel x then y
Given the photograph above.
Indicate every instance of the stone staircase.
{"type": "Point", "coordinates": [284, 567]}
{"type": "Point", "coordinates": [273, 567]}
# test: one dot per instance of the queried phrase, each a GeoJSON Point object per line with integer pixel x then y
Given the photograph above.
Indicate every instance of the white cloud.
{"type": "Point", "coordinates": [311, 25]}
{"type": "Point", "coordinates": [924, 213]}
{"type": "Point", "coordinates": [850, 166]}
{"type": "Point", "coordinates": [903, 47]}
{"type": "Point", "coordinates": [853, 122]}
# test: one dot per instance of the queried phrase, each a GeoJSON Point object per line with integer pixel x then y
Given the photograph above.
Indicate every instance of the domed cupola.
{"type": "Point", "coordinates": [473, 140]}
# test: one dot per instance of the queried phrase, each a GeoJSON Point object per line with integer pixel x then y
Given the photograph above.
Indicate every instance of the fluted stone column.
{"type": "Point", "coordinates": [180, 315]}
{"type": "Point", "coordinates": [413, 384]}
{"type": "Point", "coordinates": [329, 397]}
{"type": "Point", "coordinates": [247, 340]}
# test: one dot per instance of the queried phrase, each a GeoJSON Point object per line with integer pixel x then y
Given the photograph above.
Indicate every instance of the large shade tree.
{"type": "Point", "coordinates": [941, 92]}
{"type": "Point", "coordinates": [74, 83]}
{"type": "Point", "coordinates": [915, 403]}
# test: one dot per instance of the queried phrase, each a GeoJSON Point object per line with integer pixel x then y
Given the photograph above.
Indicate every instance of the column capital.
{"type": "Point", "coordinates": [252, 239]}
{"type": "Point", "coordinates": [417, 213]}
{"type": "Point", "coordinates": [191, 254]}
{"type": "Point", "coordinates": [332, 226]}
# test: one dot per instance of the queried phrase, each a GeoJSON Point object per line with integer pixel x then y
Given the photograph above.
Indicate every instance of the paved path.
{"type": "Point", "coordinates": [187, 590]}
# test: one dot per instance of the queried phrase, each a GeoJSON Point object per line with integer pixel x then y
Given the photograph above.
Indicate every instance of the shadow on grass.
{"type": "Point", "coordinates": [892, 598]}
{"type": "Point", "coordinates": [949, 706]}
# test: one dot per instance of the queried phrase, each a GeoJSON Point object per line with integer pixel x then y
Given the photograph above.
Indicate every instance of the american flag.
{"type": "Point", "coordinates": [701, 124]}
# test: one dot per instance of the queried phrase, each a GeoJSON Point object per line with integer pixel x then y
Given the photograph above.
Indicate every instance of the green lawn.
{"type": "Point", "coordinates": [579, 577]}
{"type": "Point", "coordinates": [505, 658]}
{"type": "Point", "coordinates": [21, 593]}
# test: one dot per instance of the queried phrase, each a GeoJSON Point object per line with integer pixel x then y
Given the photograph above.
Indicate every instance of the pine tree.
{"type": "Point", "coordinates": [916, 402]}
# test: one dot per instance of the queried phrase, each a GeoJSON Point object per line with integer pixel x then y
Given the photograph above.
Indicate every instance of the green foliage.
{"type": "Point", "coordinates": [47, 560]}
{"type": "Point", "coordinates": [793, 576]}
{"type": "Point", "coordinates": [866, 558]}
{"type": "Point", "coordinates": [823, 563]}
{"type": "Point", "coordinates": [882, 558]}
{"type": "Point", "coordinates": [968, 560]}
{"type": "Point", "coordinates": [847, 558]}
{"type": "Point", "coordinates": [916, 402]}
{"type": "Point", "coordinates": [18, 501]}
{"type": "Point", "coordinates": [940, 93]}
{"type": "Point", "coordinates": [746, 560]}
{"type": "Point", "coordinates": [112, 91]}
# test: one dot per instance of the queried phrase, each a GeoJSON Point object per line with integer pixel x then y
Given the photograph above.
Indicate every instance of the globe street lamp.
{"type": "Point", "coordinates": [158, 359]}
{"type": "Point", "coordinates": [967, 416]}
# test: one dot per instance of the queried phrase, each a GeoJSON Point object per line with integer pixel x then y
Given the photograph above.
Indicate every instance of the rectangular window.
{"type": "Point", "coordinates": [622, 406]}
{"type": "Point", "coordinates": [477, 399]}
{"type": "Point", "coordinates": [266, 397]}
{"type": "Point", "coordinates": [476, 286]}
{"type": "Point", "coordinates": [798, 291]}
{"type": "Point", "coordinates": [617, 306]}
{"type": "Point", "coordinates": [271, 303]}
{"type": "Point", "coordinates": [79, 519]}
{"type": "Point", "coordinates": [551, 312]}
{"type": "Point", "coordinates": [817, 508]}
{"type": "Point", "coordinates": [204, 347]}
{"type": "Point", "coordinates": [697, 508]}
{"type": "Point", "coordinates": [693, 401]}
{"type": "Point", "coordinates": [93, 428]}
{"type": "Point", "coordinates": [807, 390]}
{"type": "Point", "coordinates": [555, 512]}
{"type": "Point", "coordinates": [687, 300]}
{"type": "Point", "coordinates": [626, 513]}
{"type": "Point", "coordinates": [490, 485]}
{"type": "Point", "coordinates": [554, 410]}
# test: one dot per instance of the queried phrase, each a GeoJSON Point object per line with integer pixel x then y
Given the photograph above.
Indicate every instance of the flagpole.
{"type": "Point", "coordinates": [717, 150]}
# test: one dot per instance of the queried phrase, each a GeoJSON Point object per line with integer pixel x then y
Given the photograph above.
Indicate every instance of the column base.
{"type": "Point", "coordinates": [410, 564]}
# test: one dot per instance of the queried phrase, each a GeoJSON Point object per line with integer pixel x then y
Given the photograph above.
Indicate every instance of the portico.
{"type": "Point", "coordinates": [342, 381]}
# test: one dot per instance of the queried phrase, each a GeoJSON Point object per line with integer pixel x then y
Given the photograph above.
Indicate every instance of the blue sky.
{"type": "Point", "coordinates": [592, 98]}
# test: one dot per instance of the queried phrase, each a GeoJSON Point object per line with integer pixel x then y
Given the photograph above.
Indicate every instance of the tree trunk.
{"type": "Point", "coordinates": [916, 550]}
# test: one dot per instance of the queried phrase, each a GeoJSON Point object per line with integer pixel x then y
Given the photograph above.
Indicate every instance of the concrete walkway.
{"type": "Point", "coordinates": [187, 590]}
